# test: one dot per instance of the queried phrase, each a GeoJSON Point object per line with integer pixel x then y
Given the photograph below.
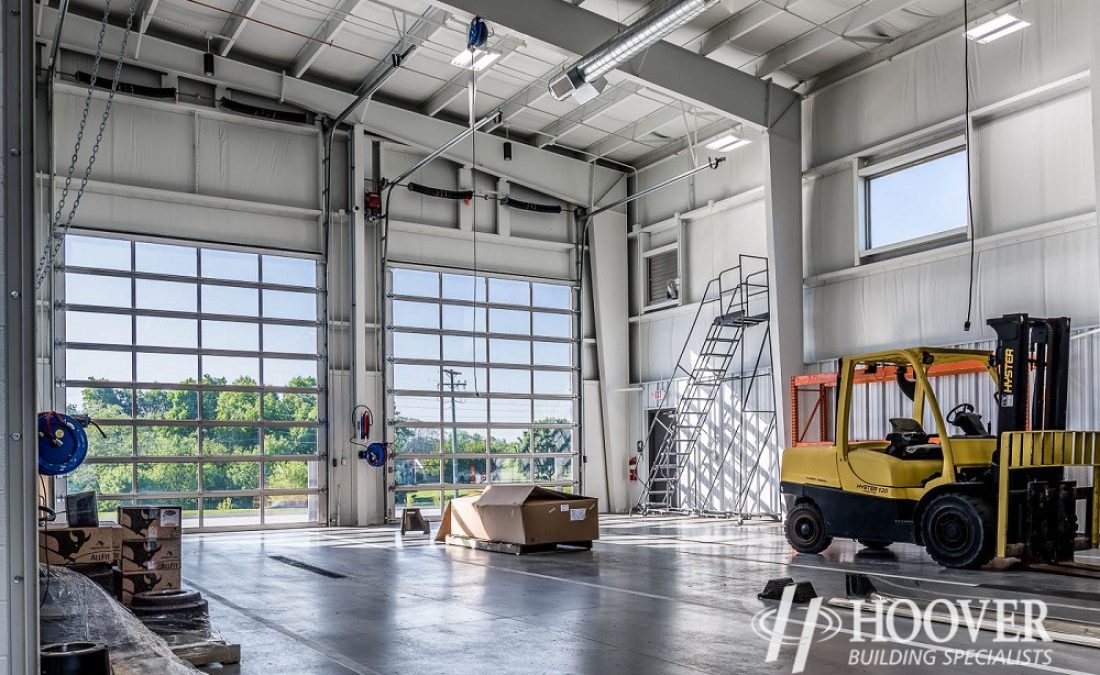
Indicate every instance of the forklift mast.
{"type": "Point", "coordinates": [1032, 363]}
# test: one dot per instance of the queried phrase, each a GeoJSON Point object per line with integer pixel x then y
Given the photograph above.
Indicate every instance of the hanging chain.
{"type": "Point", "coordinates": [55, 239]}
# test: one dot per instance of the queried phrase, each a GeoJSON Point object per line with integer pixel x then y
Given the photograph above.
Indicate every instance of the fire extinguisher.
{"type": "Point", "coordinates": [633, 466]}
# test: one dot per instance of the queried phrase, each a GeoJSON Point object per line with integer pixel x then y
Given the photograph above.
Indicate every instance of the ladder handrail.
{"type": "Point", "coordinates": [741, 295]}
{"type": "Point", "coordinates": [748, 393]}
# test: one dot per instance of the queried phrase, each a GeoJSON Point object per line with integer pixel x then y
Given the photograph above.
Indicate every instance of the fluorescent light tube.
{"type": "Point", "coordinates": [727, 143]}
{"type": "Point", "coordinates": [475, 59]}
{"type": "Point", "coordinates": [996, 28]}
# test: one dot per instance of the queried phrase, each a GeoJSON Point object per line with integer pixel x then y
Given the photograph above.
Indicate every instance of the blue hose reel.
{"type": "Point", "coordinates": [478, 35]}
{"type": "Point", "coordinates": [62, 442]}
{"type": "Point", "coordinates": [375, 454]}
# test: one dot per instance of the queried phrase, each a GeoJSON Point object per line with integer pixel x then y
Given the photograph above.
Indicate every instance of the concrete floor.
{"type": "Point", "coordinates": [656, 595]}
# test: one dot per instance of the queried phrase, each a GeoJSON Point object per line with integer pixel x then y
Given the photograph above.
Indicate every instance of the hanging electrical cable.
{"type": "Point", "coordinates": [55, 239]}
{"type": "Point", "coordinates": [969, 184]}
{"type": "Point", "coordinates": [481, 33]}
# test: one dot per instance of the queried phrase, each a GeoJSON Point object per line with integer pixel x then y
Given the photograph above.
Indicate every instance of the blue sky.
{"type": "Point", "coordinates": [919, 200]}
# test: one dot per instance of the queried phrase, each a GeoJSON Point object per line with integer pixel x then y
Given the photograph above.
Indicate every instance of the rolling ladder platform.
{"type": "Point", "coordinates": [738, 297]}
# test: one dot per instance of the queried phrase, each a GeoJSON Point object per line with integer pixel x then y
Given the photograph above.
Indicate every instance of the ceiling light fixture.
{"type": "Point", "coordinates": [727, 143]}
{"type": "Point", "coordinates": [208, 61]}
{"type": "Point", "coordinates": [996, 28]}
{"type": "Point", "coordinates": [651, 29]}
{"type": "Point", "coordinates": [475, 58]}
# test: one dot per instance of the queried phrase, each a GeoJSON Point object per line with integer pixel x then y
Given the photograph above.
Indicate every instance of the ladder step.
{"type": "Point", "coordinates": [739, 319]}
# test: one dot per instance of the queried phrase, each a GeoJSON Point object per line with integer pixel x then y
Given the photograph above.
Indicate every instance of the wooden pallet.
{"type": "Point", "coordinates": [516, 549]}
{"type": "Point", "coordinates": [206, 653]}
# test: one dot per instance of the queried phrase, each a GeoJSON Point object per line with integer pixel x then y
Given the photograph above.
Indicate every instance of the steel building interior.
{"type": "Point", "coordinates": [757, 279]}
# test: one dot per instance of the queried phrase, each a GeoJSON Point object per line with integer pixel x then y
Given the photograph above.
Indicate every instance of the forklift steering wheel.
{"type": "Point", "coordinates": [961, 409]}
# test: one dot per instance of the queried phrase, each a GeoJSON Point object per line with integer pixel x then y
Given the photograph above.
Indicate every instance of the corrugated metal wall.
{"type": "Point", "coordinates": [873, 405]}
{"type": "Point", "coordinates": [744, 471]}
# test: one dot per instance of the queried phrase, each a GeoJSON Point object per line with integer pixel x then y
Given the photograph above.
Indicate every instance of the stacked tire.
{"type": "Point", "coordinates": [172, 611]}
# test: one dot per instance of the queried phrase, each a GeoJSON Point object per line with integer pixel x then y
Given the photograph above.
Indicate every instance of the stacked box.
{"type": "Point", "coordinates": [149, 549]}
{"type": "Point", "coordinates": [67, 546]}
{"type": "Point", "coordinates": [150, 555]}
{"type": "Point", "coordinates": [149, 522]}
{"type": "Point", "coordinates": [130, 584]}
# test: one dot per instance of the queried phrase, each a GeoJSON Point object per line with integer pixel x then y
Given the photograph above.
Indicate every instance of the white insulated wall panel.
{"type": "Point", "coordinates": [924, 86]}
{"type": "Point", "coordinates": [1036, 165]}
{"type": "Point", "coordinates": [742, 170]}
{"type": "Point", "coordinates": [925, 304]}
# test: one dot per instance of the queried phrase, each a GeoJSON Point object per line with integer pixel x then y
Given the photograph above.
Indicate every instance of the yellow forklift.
{"type": "Point", "coordinates": [948, 482]}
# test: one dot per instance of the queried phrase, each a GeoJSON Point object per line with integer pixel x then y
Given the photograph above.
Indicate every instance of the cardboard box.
{"type": "Point", "coordinates": [79, 545]}
{"type": "Point", "coordinates": [131, 583]}
{"type": "Point", "coordinates": [149, 522]}
{"type": "Point", "coordinates": [150, 555]}
{"type": "Point", "coordinates": [522, 514]}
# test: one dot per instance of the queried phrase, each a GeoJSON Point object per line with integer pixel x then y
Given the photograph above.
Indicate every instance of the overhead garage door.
{"type": "Point", "coordinates": [203, 368]}
{"type": "Point", "coordinates": [480, 384]}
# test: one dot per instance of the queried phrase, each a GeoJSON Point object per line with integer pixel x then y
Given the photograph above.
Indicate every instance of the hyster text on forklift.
{"type": "Point", "coordinates": [950, 483]}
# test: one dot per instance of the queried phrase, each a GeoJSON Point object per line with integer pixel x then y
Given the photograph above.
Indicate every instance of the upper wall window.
{"type": "Point", "coordinates": [915, 200]}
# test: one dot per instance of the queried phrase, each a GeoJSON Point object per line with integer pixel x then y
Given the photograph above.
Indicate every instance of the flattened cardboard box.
{"type": "Point", "coordinates": [149, 522]}
{"type": "Point", "coordinates": [132, 583]}
{"type": "Point", "coordinates": [147, 555]}
{"type": "Point", "coordinates": [522, 514]}
{"type": "Point", "coordinates": [79, 545]}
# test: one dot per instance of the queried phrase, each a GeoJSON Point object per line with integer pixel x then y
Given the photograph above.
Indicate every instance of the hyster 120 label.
{"type": "Point", "coordinates": [872, 489]}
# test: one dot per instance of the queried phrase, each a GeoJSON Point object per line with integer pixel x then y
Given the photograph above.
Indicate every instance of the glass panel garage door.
{"type": "Point", "coordinates": [481, 384]}
{"type": "Point", "coordinates": [202, 368]}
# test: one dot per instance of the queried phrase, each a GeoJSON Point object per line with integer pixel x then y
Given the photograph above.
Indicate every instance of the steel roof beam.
{"type": "Point", "coordinates": [902, 44]}
{"type": "Point", "coordinates": [426, 26]}
{"type": "Point", "coordinates": [578, 116]}
{"type": "Point", "coordinates": [525, 98]}
{"type": "Point", "coordinates": [737, 26]}
{"type": "Point", "coordinates": [682, 144]}
{"type": "Point", "coordinates": [325, 34]}
{"type": "Point", "coordinates": [672, 70]}
{"type": "Point", "coordinates": [144, 15]}
{"type": "Point", "coordinates": [634, 131]}
{"type": "Point", "coordinates": [236, 23]}
{"type": "Point", "coordinates": [829, 33]}
{"type": "Point", "coordinates": [456, 86]}
{"type": "Point", "coordinates": [551, 173]}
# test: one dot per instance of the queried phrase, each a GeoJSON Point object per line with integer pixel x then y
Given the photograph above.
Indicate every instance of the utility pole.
{"type": "Point", "coordinates": [453, 386]}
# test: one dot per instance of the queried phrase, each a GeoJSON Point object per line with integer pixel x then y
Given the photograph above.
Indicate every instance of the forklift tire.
{"type": "Point", "coordinates": [805, 528]}
{"type": "Point", "coordinates": [875, 544]}
{"type": "Point", "coordinates": [959, 531]}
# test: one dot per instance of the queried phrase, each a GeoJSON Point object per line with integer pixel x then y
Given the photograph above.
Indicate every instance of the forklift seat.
{"type": "Point", "coordinates": [910, 442]}
{"type": "Point", "coordinates": [878, 468]}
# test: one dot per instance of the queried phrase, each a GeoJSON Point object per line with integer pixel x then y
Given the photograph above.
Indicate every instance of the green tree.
{"type": "Point", "coordinates": [170, 404]}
